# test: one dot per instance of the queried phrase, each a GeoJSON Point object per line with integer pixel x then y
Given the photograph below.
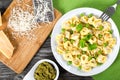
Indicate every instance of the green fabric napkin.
{"type": "Point", "coordinates": [113, 72]}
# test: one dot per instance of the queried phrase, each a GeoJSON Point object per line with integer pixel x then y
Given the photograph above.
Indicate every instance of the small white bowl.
{"type": "Point", "coordinates": [30, 74]}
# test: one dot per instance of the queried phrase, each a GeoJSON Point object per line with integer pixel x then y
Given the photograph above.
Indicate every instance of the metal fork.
{"type": "Point", "coordinates": [109, 11]}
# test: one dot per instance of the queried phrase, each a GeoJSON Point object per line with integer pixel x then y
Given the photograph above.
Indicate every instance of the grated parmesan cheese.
{"type": "Point", "coordinates": [21, 21]}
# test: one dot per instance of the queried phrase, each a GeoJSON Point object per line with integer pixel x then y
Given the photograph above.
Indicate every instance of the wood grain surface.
{"type": "Point", "coordinates": [43, 53]}
{"type": "Point", "coordinates": [25, 48]}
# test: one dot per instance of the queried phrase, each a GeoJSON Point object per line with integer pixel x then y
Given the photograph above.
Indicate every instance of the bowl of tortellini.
{"type": "Point", "coordinates": [83, 44]}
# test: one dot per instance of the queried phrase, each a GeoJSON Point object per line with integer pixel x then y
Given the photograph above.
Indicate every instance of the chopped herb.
{"type": "Point", "coordinates": [90, 15]}
{"type": "Point", "coordinates": [82, 14]}
{"type": "Point", "coordinates": [83, 52]}
{"type": "Point", "coordinates": [79, 67]}
{"type": "Point", "coordinates": [69, 62]}
{"type": "Point", "coordinates": [72, 25]}
{"type": "Point", "coordinates": [78, 56]}
{"type": "Point", "coordinates": [96, 55]}
{"type": "Point", "coordinates": [87, 37]}
{"type": "Point", "coordinates": [105, 44]}
{"type": "Point", "coordinates": [92, 26]}
{"type": "Point", "coordinates": [87, 25]}
{"type": "Point", "coordinates": [99, 52]}
{"type": "Point", "coordinates": [63, 30]}
{"type": "Point", "coordinates": [72, 41]}
{"type": "Point", "coordinates": [92, 46]}
{"type": "Point", "coordinates": [79, 27]}
{"type": "Point", "coordinates": [99, 64]}
{"type": "Point", "coordinates": [101, 28]}
{"type": "Point", "coordinates": [111, 31]}
{"type": "Point", "coordinates": [100, 35]}
{"type": "Point", "coordinates": [71, 31]}
{"type": "Point", "coordinates": [82, 43]}
{"type": "Point", "coordinates": [67, 51]}
{"type": "Point", "coordinates": [65, 39]}
{"type": "Point", "coordinates": [89, 58]}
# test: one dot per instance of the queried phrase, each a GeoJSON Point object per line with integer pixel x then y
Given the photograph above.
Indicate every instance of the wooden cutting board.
{"type": "Point", "coordinates": [25, 49]}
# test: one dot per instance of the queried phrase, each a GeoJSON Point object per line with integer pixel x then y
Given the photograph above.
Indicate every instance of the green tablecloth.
{"type": "Point", "coordinates": [113, 72]}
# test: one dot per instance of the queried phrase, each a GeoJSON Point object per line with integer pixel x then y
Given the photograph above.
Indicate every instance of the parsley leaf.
{"type": "Point", "coordinates": [72, 25]}
{"type": "Point", "coordinates": [87, 37]}
{"type": "Point", "coordinates": [71, 40]}
{"type": "Point", "coordinates": [105, 44]}
{"type": "Point", "coordinates": [69, 62]}
{"type": "Point", "coordinates": [79, 27]}
{"type": "Point", "coordinates": [82, 14]}
{"type": "Point", "coordinates": [63, 30]}
{"type": "Point", "coordinates": [65, 39]}
{"type": "Point", "coordinates": [82, 43]}
{"type": "Point", "coordinates": [78, 56]}
{"type": "Point", "coordinates": [101, 28]}
{"type": "Point", "coordinates": [92, 46]}
{"type": "Point", "coordinates": [90, 15]}
{"type": "Point", "coordinates": [111, 31]}
{"type": "Point", "coordinates": [100, 35]}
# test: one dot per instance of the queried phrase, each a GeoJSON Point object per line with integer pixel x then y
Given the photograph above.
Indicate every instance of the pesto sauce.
{"type": "Point", "coordinates": [45, 71]}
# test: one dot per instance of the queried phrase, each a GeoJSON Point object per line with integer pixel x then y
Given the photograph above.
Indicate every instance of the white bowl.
{"type": "Point", "coordinates": [57, 29]}
{"type": "Point", "coordinates": [30, 74]}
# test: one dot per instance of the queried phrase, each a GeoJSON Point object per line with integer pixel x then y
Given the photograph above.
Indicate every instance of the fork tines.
{"type": "Point", "coordinates": [107, 13]}
{"type": "Point", "coordinates": [104, 16]}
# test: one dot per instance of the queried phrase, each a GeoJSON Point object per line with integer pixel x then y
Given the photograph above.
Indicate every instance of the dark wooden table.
{"type": "Point", "coordinates": [43, 53]}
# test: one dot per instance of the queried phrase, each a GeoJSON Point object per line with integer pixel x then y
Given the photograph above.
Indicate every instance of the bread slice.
{"type": "Point", "coordinates": [6, 48]}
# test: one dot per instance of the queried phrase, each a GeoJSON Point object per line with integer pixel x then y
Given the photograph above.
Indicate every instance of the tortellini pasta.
{"type": "Point", "coordinates": [85, 41]}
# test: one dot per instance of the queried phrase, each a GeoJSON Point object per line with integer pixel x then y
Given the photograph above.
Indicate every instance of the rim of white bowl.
{"type": "Point", "coordinates": [109, 63]}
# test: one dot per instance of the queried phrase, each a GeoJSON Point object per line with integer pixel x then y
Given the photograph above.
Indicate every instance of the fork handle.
{"type": "Point", "coordinates": [118, 2]}
{"type": "Point", "coordinates": [115, 5]}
